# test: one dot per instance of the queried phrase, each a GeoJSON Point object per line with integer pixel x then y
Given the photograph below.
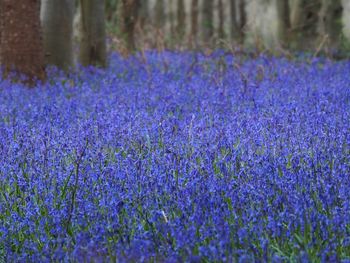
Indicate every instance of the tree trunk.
{"type": "Point", "coordinates": [242, 19]}
{"type": "Point", "coordinates": [283, 14]}
{"type": "Point", "coordinates": [171, 17]}
{"type": "Point", "coordinates": [296, 13]}
{"type": "Point", "coordinates": [181, 16]}
{"type": "Point", "coordinates": [304, 22]}
{"type": "Point", "coordinates": [129, 12]}
{"type": "Point", "coordinates": [21, 42]}
{"type": "Point", "coordinates": [57, 23]}
{"type": "Point", "coordinates": [221, 20]}
{"type": "Point", "coordinates": [330, 25]}
{"type": "Point", "coordinates": [234, 25]}
{"type": "Point", "coordinates": [194, 20]}
{"type": "Point", "coordinates": [144, 13]}
{"type": "Point", "coordinates": [207, 20]}
{"type": "Point", "coordinates": [92, 33]}
{"type": "Point", "coordinates": [159, 14]}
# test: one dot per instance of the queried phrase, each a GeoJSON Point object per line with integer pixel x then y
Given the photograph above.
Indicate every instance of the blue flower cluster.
{"type": "Point", "coordinates": [178, 157]}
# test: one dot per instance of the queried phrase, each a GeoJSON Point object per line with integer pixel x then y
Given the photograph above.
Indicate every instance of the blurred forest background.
{"type": "Point", "coordinates": [294, 25]}
{"type": "Point", "coordinates": [37, 33]}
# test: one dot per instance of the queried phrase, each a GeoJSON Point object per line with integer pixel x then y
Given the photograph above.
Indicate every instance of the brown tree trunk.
{"type": "Point", "coordinates": [159, 14]}
{"type": "Point", "coordinates": [234, 25]}
{"type": "Point", "coordinates": [181, 16]}
{"type": "Point", "coordinates": [283, 17]}
{"type": "Point", "coordinates": [171, 17]}
{"type": "Point", "coordinates": [221, 20]}
{"type": "Point", "coordinates": [129, 9]}
{"type": "Point", "coordinates": [207, 20]}
{"type": "Point", "coordinates": [194, 20]}
{"type": "Point", "coordinates": [21, 42]}
{"type": "Point", "coordinates": [143, 13]}
{"type": "Point", "coordinates": [330, 26]}
{"type": "Point", "coordinates": [304, 22]}
{"type": "Point", "coordinates": [242, 19]}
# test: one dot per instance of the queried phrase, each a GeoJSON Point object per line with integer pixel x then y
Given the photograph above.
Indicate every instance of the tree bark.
{"type": "Point", "coordinates": [92, 33]}
{"type": "Point", "coordinates": [159, 14]}
{"type": "Point", "coordinates": [129, 14]}
{"type": "Point", "coordinates": [304, 23]}
{"type": "Point", "coordinates": [194, 20]}
{"type": "Point", "coordinates": [221, 20]}
{"type": "Point", "coordinates": [234, 25]}
{"type": "Point", "coordinates": [144, 13]}
{"type": "Point", "coordinates": [242, 19]}
{"type": "Point", "coordinates": [207, 20]}
{"type": "Point", "coordinates": [171, 17]}
{"type": "Point", "coordinates": [21, 40]}
{"type": "Point", "coordinates": [181, 17]}
{"type": "Point", "coordinates": [57, 23]}
{"type": "Point", "coordinates": [330, 25]}
{"type": "Point", "coordinates": [283, 17]}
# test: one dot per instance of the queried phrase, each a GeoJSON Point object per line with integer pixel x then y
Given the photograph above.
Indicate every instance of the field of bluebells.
{"type": "Point", "coordinates": [173, 157]}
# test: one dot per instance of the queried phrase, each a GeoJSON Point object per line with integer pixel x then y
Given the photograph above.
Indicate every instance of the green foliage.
{"type": "Point", "coordinates": [2, 253]}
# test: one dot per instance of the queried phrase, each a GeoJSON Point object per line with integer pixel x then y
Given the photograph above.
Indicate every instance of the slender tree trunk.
{"type": "Point", "coordinates": [194, 20]}
{"type": "Point", "coordinates": [304, 23]}
{"type": "Point", "coordinates": [207, 20]}
{"type": "Point", "coordinates": [1, 15]}
{"type": "Point", "coordinates": [21, 42]}
{"type": "Point", "coordinates": [330, 25]}
{"type": "Point", "coordinates": [171, 17]}
{"type": "Point", "coordinates": [283, 17]}
{"type": "Point", "coordinates": [144, 13]}
{"type": "Point", "coordinates": [221, 20]}
{"type": "Point", "coordinates": [181, 17]}
{"type": "Point", "coordinates": [129, 14]}
{"type": "Point", "coordinates": [242, 19]}
{"type": "Point", "coordinates": [159, 14]}
{"type": "Point", "coordinates": [92, 33]}
{"type": "Point", "coordinates": [57, 22]}
{"type": "Point", "coordinates": [296, 13]}
{"type": "Point", "coordinates": [234, 25]}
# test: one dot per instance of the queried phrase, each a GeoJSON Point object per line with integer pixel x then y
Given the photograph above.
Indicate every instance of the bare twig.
{"type": "Point", "coordinates": [76, 183]}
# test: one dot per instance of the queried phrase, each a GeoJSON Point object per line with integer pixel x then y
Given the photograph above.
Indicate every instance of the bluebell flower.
{"type": "Point", "coordinates": [242, 171]}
